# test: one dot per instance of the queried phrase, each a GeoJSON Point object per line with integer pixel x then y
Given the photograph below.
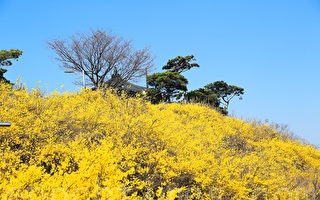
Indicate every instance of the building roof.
{"type": "Point", "coordinates": [132, 87]}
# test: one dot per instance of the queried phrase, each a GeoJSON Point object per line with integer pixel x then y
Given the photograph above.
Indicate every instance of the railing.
{"type": "Point", "coordinates": [5, 124]}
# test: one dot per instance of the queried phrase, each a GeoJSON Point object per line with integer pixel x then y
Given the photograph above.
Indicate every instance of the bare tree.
{"type": "Point", "coordinates": [105, 58]}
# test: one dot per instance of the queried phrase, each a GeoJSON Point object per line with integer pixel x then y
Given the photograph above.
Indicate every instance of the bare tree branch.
{"type": "Point", "coordinates": [105, 58]}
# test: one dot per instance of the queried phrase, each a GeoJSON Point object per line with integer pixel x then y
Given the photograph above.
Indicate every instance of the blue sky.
{"type": "Point", "coordinates": [269, 47]}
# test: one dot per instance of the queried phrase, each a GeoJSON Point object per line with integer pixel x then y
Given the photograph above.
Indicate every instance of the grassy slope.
{"type": "Point", "coordinates": [94, 145]}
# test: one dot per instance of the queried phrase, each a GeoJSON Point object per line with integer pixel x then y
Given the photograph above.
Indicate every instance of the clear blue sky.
{"type": "Point", "coordinates": [269, 47]}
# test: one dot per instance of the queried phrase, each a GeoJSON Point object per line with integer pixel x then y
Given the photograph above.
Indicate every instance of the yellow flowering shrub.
{"type": "Point", "coordinates": [99, 145]}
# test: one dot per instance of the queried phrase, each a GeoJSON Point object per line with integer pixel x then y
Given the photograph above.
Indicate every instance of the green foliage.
{"type": "Point", "coordinates": [225, 92]}
{"type": "Point", "coordinates": [165, 86]}
{"type": "Point", "coordinates": [171, 83]}
{"type": "Point", "coordinates": [6, 58]}
{"type": "Point", "coordinates": [2, 78]}
{"type": "Point", "coordinates": [180, 64]}
{"type": "Point", "coordinates": [215, 94]}
{"type": "Point", "coordinates": [203, 95]}
{"type": "Point", "coordinates": [155, 95]}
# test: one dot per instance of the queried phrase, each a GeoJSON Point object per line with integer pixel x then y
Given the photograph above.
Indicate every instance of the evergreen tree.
{"type": "Point", "coordinates": [225, 92]}
{"type": "Point", "coordinates": [6, 58]}
{"type": "Point", "coordinates": [166, 86]}
{"type": "Point", "coordinates": [180, 64]}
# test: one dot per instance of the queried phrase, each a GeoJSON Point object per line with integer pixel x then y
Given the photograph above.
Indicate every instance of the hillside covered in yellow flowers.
{"type": "Point", "coordinates": [99, 145]}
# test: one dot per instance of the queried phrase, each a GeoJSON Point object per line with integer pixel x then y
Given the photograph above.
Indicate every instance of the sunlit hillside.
{"type": "Point", "coordinates": [97, 145]}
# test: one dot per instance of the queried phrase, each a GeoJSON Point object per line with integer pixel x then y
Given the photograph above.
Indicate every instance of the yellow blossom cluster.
{"type": "Point", "coordinates": [102, 145]}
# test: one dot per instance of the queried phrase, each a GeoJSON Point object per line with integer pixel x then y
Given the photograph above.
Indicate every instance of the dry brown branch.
{"type": "Point", "coordinates": [105, 58]}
